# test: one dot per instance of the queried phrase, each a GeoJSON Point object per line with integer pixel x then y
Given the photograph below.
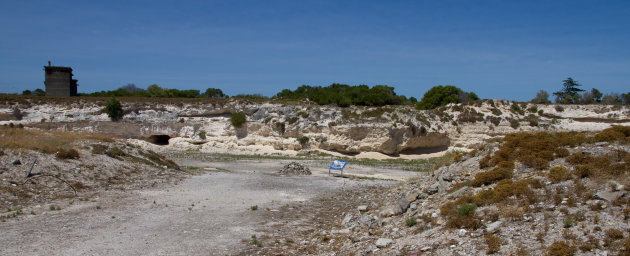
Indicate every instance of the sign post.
{"type": "Point", "coordinates": [337, 165]}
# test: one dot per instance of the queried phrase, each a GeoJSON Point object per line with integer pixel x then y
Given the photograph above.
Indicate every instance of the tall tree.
{"type": "Point", "coordinates": [569, 93]}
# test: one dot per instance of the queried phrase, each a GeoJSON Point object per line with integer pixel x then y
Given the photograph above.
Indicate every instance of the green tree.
{"type": "Point", "coordinates": [569, 93]}
{"type": "Point", "coordinates": [155, 91]}
{"type": "Point", "coordinates": [214, 93]}
{"type": "Point", "coordinates": [626, 98]}
{"type": "Point", "coordinates": [113, 109]}
{"type": "Point", "coordinates": [542, 97]}
{"type": "Point", "coordinates": [612, 99]}
{"type": "Point", "coordinates": [442, 95]}
{"type": "Point", "coordinates": [26, 92]}
{"type": "Point", "coordinates": [39, 92]}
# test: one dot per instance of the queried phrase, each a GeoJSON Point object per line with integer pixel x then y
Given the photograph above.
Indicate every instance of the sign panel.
{"type": "Point", "coordinates": [338, 165]}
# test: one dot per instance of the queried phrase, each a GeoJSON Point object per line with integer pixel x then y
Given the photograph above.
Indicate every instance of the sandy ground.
{"type": "Point", "coordinates": [209, 214]}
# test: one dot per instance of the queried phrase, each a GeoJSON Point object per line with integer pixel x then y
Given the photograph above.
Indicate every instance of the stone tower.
{"type": "Point", "coordinates": [59, 81]}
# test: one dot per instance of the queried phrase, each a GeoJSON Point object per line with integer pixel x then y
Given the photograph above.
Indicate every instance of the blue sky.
{"type": "Point", "coordinates": [498, 49]}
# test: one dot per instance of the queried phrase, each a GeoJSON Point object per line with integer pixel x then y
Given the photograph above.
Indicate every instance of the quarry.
{"type": "Point", "coordinates": [475, 178]}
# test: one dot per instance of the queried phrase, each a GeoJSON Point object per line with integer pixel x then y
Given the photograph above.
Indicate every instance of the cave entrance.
{"type": "Point", "coordinates": [159, 139]}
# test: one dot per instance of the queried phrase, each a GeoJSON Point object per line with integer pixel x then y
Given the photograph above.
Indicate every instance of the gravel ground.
{"type": "Point", "coordinates": [205, 214]}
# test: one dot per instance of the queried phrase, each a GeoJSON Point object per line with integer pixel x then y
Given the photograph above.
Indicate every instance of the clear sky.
{"type": "Point", "coordinates": [498, 49]}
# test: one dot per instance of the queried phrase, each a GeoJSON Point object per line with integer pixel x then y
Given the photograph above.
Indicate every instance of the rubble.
{"type": "Point", "coordinates": [295, 168]}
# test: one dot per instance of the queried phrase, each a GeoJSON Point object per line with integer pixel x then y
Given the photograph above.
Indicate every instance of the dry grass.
{"type": "Point", "coordinates": [494, 244]}
{"type": "Point", "coordinates": [560, 248]}
{"type": "Point", "coordinates": [49, 142]}
{"type": "Point", "coordinates": [558, 174]}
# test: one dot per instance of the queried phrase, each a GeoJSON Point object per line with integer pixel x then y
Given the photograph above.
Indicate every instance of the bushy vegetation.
{"type": "Point", "coordinates": [442, 95]}
{"type": "Point", "coordinates": [344, 95]}
{"type": "Point", "coordinates": [155, 91]}
{"type": "Point", "coordinates": [113, 109]}
{"type": "Point", "coordinates": [67, 154]}
{"type": "Point", "coordinates": [238, 119]}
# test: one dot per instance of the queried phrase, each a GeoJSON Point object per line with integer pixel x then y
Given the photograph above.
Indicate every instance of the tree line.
{"type": "Point", "coordinates": [344, 95]}
{"type": "Point", "coordinates": [571, 93]}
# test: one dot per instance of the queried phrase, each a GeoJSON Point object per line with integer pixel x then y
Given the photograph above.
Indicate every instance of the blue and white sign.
{"type": "Point", "coordinates": [338, 165]}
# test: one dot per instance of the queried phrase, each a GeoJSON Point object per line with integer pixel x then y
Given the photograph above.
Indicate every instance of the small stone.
{"type": "Point", "coordinates": [383, 242]}
{"type": "Point", "coordinates": [494, 226]}
{"type": "Point", "coordinates": [462, 232]}
{"type": "Point", "coordinates": [362, 208]}
{"type": "Point", "coordinates": [346, 221]}
{"type": "Point", "coordinates": [17, 162]}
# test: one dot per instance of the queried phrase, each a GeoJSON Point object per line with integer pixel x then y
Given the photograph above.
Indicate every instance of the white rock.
{"type": "Point", "coordinates": [494, 226]}
{"type": "Point", "coordinates": [383, 242]}
{"type": "Point", "coordinates": [362, 208]}
{"type": "Point", "coordinates": [462, 232]}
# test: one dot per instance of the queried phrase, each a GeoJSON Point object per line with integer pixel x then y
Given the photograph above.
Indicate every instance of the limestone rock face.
{"type": "Point", "coordinates": [274, 128]}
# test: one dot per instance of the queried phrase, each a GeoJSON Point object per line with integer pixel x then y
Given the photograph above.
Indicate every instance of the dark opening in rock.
{"type": "Point", "coordinates": [159, 139]}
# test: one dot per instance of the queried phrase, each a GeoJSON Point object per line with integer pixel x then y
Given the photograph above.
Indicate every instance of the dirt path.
{"type": "Point", "coordinates": [206, 214]}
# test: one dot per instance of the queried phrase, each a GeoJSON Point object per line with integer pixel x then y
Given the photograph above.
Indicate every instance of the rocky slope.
{"type": "Point", "coordinates": [274, 128]}
{"type": "Point", "coordinates": [37, 168]}
{"type": "Point", "coordinates": [570, 198]}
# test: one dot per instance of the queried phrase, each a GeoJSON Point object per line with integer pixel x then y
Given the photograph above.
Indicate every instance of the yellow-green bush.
{"type": "Point", "coordinates": [558, 174]}
{"type": "Point", "coordinates": [503, 171]}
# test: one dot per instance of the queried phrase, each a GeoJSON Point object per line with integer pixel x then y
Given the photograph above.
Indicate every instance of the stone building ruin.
{"type": "Point", "coordinates": [59, 81]}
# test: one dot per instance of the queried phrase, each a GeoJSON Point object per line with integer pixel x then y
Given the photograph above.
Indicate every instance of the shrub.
{"type": "Point", "coordinates": [520, 189]}
{"type": "Point", "coordinates": [292, 120]}
{"type": "Point", "coordinates": [113, 109]}
{"type": "Point", "coordinates": [484, 162]}
{"type": "Point", "coordinates": [559, 108]}
{"type": "Point", "coordinates": [533, 109]}
{"type": "Point", "coordinates": [579, 158]}
{"type": "Point", "coordinates": [615, 133]}
{"type": "Point", "coordinates": [411, 222]}
{"type": "Point", "coordinates": [533, 120]}
{"type": "Point", "coordinates": [516, 109]}
{"type": "Point", "coordinates": [303, 140]}
{"type": "Point", "coordinates": [98, 149]}
{"type": "Point", "coordinates": [466, 209]}
{"type": "Point", "coordinates": [585, 170]}
{"type": "Point", "coordinates": [561, 152]}
{"type": "Point", "coordinates": [514, 123]}
{"type": "Point", "coordinates": [503, 171]}
{"type": "Point", "coordinates": [614, 234]}
{"type": "Point", "coordinates": [560, 248]}
{"type": "Point", "coordinates": [558, 174]}
{"type": "Point", "coordinates": [238, 119]}
{"type": "Point", "coordinates": [496, 111]}
{"type": "Point", "coordinates": [542, 97]}
{"type": "Point", "coordinates": [67, 154]}
{"type": "Point", "coordinates": [494, 244]}
{"type": "Point", "coordinates": [202, 135]}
